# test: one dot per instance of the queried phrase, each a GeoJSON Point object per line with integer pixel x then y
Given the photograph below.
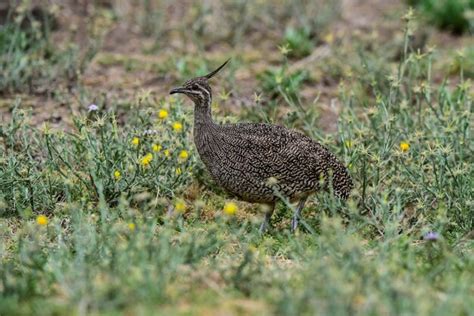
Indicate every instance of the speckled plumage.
{"type": "Point", "coordinates": [252, 160]}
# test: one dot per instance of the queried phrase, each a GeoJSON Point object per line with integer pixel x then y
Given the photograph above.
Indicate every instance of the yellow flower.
{"type": "Point", "coordinates": [162, 114]}
{"type": "Point", "coordinates": [166, 152]}
{"type": "Point", "coordinates": [180, 206]}
{"type": "Point", "coordinates": [177, 126]}
{"type": "Point", "coordinates": [278, 79]}
{"type": "Point", "coordinates": [183, 155]}
{"type": "Point", "coordinates": [117, 175]}
{"type": "Point", "coordinates": [131, 226]}
{"type": "Point", "coordinates": [178, 171]}
{"type": "Point", "coordinates": [329, 38]}
{"type": "Point", "coordinates": [135, 141]}
{"type": "Point", "coordinates": [230, 208]}
{"type": "Point", "coordinates": [41, 220]}
{"type": "Point", "coordinates": [156, 148]}
{"type": "Point", "coordinates": [145, 161]}
{"type": "Point", "coordinates": [404, 146]}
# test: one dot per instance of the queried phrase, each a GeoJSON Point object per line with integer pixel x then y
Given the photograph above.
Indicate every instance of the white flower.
{"type": "Point", "coordinates": [150, 132]}
{"type": "Point", "coordinates": [92, 108]}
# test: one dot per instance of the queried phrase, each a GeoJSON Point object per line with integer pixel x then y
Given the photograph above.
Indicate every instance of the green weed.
{"type": "Point", "coordinates": [452, 15]}
{"type": "Point", "coordinates": [31, 61]}
{"type": "Point", "coordinates": [98, 160]}
{"type": "Point", "coordinates": [298, 41]}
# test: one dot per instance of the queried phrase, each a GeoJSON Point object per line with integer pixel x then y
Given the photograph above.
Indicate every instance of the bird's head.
{"type": "Point", "coordinates": [198, 89]}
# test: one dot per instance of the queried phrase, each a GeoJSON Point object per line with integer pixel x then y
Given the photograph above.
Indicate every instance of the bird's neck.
{"type": "Point", "coordinates": [204, 130]}
{"type": "Point", "coordinates": [202, 113]}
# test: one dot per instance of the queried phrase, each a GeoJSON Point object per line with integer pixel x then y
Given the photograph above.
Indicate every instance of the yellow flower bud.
{"type": "Point", "coordinates": [162, 114]}
{"type": "Point", "coordinates": [183, 155]}
{"type": "Point", "coordinates": [135, 141]}
{"type": "Point", "coordinates": [42, 220]}
{"type": "Point", "coordinates": [145, 161]}
{"type": "Point", "coordinates": [177, 126]}
{"type": "Point", "coordinates": [404, 146]}
{"type": "Point", "coordinates": [230, 208]}
{"type": "Point", "coordinates": [117, 175]}
{"type": "Point", "coordinates": [180, 206]}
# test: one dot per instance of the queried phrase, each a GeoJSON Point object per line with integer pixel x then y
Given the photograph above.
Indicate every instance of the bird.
{"type": "Point", "coordinates": [261, 162]}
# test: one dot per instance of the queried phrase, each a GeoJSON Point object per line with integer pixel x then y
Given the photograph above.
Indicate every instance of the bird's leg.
{"type": "Point", "coordinates": [266, 220]}
{"type": "Point", "coordinates": [297, 214]}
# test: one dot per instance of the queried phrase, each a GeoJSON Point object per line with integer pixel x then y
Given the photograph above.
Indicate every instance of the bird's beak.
{"type": "Point", "coordinates": [177, 90]}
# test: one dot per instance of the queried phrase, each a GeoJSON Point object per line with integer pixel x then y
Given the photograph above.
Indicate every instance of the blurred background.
{"type": "Point", "coordinates": [108, 50]}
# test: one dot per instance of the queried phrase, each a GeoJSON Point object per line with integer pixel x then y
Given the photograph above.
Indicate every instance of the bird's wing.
{"type": "Point", "coordinates": [281, 152]}
{"type": "Point", "coordinates": [255, 153]}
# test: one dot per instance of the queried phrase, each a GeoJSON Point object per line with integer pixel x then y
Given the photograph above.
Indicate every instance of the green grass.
{"type": "Point", "coordinates": [32, 62]}
{"type": "Point", "coordinates": [29, 60]}
{"type": "Point", "coordinates": [118, 241]}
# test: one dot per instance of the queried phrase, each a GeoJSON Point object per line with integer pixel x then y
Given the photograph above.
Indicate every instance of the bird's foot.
{"type": "Point", "coordinates": [265, 225]}
{"type": "Point", "coordinates": [266, 220]}
{"type": "Point", "coordinates": [294, 224]}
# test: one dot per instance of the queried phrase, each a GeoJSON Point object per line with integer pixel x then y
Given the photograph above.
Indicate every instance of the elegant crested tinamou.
{"type": "Point", "coordinates": [260, 162]}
